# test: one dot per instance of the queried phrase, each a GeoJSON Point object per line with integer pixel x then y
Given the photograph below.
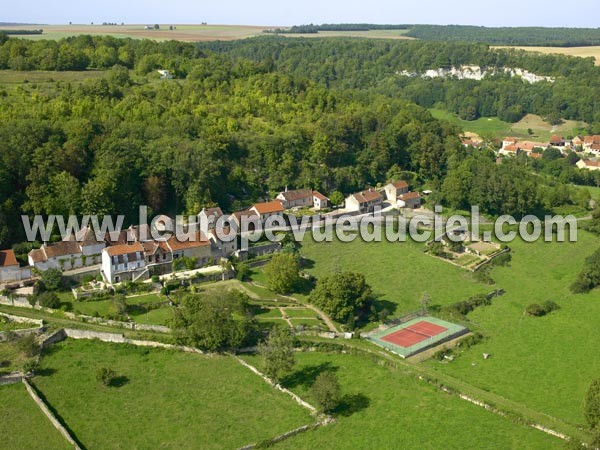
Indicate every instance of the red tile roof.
{"type": "Point", "coordinates": [511, 148]}
{"type": "Point", "coordinates": [400, 184]}
{"type": "Point", "coordinates": [410, 196]}
{"type": "Point", "coordinates": [124, 249]}
{"type": "Point", "coordinates": [8, 258]}
{"type": "Point", "coordinates": [63, 248]}
{"type": "Point", "coordinates": [535, 155]}
{"type": "Point", "coordinates": [368, 196]}
{"type": "Point", "coordinates": [590, 163]}
{"type": "Point", "coordinates": [556, 139]}
{"type": "Point", "coordinates": [268, 207]}
{"type": "Point", "coordinates": [37, 255]}
{"type": "Point", "coordinates": [298, 194]}
{"type": "Point", "coordinates": [198, 240]}
{"type": "Point", "coordinates": [320, 196]}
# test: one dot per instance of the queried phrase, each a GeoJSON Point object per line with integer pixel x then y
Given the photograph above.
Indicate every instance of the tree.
{"type": "Point", "coordinates": [277, 352]}
{"type": "Point", "coordinates": [282, 273]}
{"type": "Point", "coordinates": [326, 392]}
{"type": "Point", "coordinates": [52, 279]}
{"type": "Point", "coordinates": [106, 376]}
{"type": "Point", "coordinates": [344, 296]}
{"type": "Point", "coordinates": [49, 300]}
{"type": "Point", "coordinates": [207, 322]}
{"type": "Point", "coordinates": [592, 405]}
{"type": "Point", "coordinates": [337, 198]}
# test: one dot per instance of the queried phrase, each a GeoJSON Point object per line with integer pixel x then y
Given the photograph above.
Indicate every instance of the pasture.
{"type": "Point", "coordinates": [162, 398]}
{"type": "Point", "coordinates": [545, 363]}
{"type": "Point", "coordinates": [384, 407]}
{"type": "Point", "coordinates": [22, 424]}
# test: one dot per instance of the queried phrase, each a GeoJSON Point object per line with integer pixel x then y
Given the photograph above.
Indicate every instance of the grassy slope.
{"type": "Point", "coordinates": [22, 424]}
{"type": "Point", "coordinates": [170, 400]}
{"type": "Point", "coordinates": [386, 409]}
{"type": "Point", "coordinates": [546, 363]}
{"type": "Point", "coordinates": [399, 273]}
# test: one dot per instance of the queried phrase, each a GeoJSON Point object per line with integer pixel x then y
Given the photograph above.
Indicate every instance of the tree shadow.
{"type": "Point", "coordinates": [307, 375]}
{"type": "Point", "coordinates": [46, 372]}
{"type": "Point", "coordinates": [304, 286]}
{"type": "Point", "coordinates": [352, 403]}
{"type": "Point", "coordinates": [119, 381]}
{"type": "Point", "coordinates": [307, 263]}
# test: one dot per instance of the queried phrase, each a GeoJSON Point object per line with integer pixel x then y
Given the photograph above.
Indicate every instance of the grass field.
{"type": "Point", "coordinates": [582, 52]}
{"type": "Point", "coordinates": [188, 33]}
{"type": "Point", "coordinates": [399, 273]}
{"type": "Point", "coordinates": [545, 363]}
{"type": "Point", "coordinates": [165, 399]}
{"type": "Point", "coordinates": [384, 408]}
{"type": "Point", "coordinates": [15, 77]}
{"type": "Point", "coordinates": [22, 424]}
{"type": "Point", "coordinates": [496, 128]}
{"type": "Point", "coordinates": [373, 34]}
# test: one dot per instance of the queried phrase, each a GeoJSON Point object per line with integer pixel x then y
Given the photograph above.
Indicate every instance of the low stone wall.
{"type": "Point", "coordinates": [21, 302]}
{"type": "Point", "coordinates": [46, 411]}
{"type": "Point", "coordinates": [20, 333]}
{"type": "Point", "coordinates": [11, 378]}
{"type": "Point", "coordinates": [20, 319]}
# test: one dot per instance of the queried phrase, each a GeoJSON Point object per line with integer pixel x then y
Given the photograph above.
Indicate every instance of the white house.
{"type": "Point", "coordinates": [588, 164]}
{"type": "Point", "coordinates": [320, 201]}
{"type": "Point", "coordinates": [395, 189]}
{"type": "Point", "coordinates": [222, 248]}
{"type": "Point", "coordinates": [165, 74]}
{"type": "Point", "coordinates": [365, 201]}
{"type": "Point", "coordinates": [210, 216]}
{"type": "Point", "coordinates": [10, 269]}
{"type": "Point", "coordinates": [268, 209]}
{"type": "Point", "coordinates": [123, 262]}
{"type": "Point", "coordinates": [300, 198]}
{"type": "Point", "coordinates": [64, 255]}
{"type": "Point", "coordinates": [410, 200]}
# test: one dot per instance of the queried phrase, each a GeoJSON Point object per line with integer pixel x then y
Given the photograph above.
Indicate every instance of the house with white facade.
{"type": "Point", "coordinates": [10, 270]}
{"type": "Point", "coordinates": [123, 263]}
{"type": "Point", "coordinates": [393, 190]}
{"type": "Point", "coordinates": [365, 201]}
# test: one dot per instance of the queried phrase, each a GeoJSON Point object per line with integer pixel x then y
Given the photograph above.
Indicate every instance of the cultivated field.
{"type": "Point", "coordinates": [386, 408]}
{"type": "Point", "coordinates": [163, 399]}
{"type": "Point", "coordinates": [188, 33]}
{"type": "Point", "coordinates": [582, 52]}
{"type": "Point", "coordinates": [22, 424]}
{"type": "Point", "coordinates": [546, 363]}
{"type": "Point", "coordinates": [374, 34]}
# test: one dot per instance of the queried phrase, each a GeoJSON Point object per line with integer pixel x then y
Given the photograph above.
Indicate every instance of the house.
{"type": "Point", "coordinates": [268, 209]}
{"type": "Point", "coordinates": [64, 255]}
{"type": "Point", "coordinates": [196, 246]}
{"type": "Point", "coordinates": [588, 164]}
{"type": "Point", "coordinates": [10, 270]}
{"type": "Point", "coordinates": [577, 141]}
{"type": "Point", "coordinates": [124, 263]}
{"type": "Point", "coordinates": [589, 141]}
{"type": "Point", "coordinates": [248, 216]}
{"type": "Point", "coordinates": [210, 216]}
{"type": "Point", "coordinates": [365, 201]}
{"type": "Point", "coordinates": [509, 150]}
{"type": "Point", "coordinates": [507, 141]}
{"type": "Point", "coordinates": [594, 149]}
{"type": "Point", "coordinates": [300, 198]}
{"type": "Point", "coordinates": [157, 252]}
{"type": "Point", "coordinates": [557, 141]}
{"type": "Point", "coordinates": [320, 201]}
{"type": "Point", "coordinates": [90, 245]}
{"type": "Point", "coordinates": [395, 189]}
{"type": "Point", "coordinates": [165, 75]}
{"type": "Point", "coordinates": [535, 155]}
{"type": "Point", "coordinates": [222, 248]}
{"type": "Point", "coordinates": [410, 200]}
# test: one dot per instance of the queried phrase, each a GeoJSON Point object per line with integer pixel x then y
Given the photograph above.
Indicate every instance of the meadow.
{"type": "Point", "coordinates": [546, 363]}
{"type": "Point", "coordinates": [22, 424]}
{"type": "Point", "coordinates": [496, 128]}
{"type": "Point", "coordinates": [399, 273]}
{"type": "Point", "coordinates": [161, 396]}
{"type": "Point", "coordinates": [581, 52]}
{"type": "Point", "coordinates": [384, 407]}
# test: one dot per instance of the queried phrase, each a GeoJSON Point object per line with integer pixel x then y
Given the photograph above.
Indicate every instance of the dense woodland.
{"type": "Point", "coordinates": [527, 36]}
{"type": "Point", "coordinates": [243, 121]}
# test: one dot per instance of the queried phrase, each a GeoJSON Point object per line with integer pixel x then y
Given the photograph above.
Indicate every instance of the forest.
{"type": "Point", "coordinates": [242, 121]}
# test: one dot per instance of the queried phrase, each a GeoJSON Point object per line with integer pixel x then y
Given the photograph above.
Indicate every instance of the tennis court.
{"type": "Point", "coordinates": [417, 335]}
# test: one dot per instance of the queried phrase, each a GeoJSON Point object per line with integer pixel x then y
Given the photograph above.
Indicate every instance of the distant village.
{"type": "Point", "coordinates": [133, 255]}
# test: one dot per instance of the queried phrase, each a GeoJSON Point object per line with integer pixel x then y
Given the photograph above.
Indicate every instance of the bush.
{"type": "Point", "coordinates": [502, 260]}
{"type": "Point", "coordinates": [155, 279]}
{"type": "Point", "coordinates": [471, 340]}
{"type": "Point", "coordinates": [49, 300]}
{"type": "Point", "coordinates": [537, 310]}
{"type": "Point", "coordinates": [326, 391]}
{"type": "Point", "coordinates": [440, 355]}
{"type": "Point", "coordinates": [28, 346]}
{"type": "Point", "coordinates": [105, 376]}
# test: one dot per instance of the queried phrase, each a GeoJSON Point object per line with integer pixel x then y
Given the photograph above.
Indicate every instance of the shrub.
{"type": "Point", "coordinates": [155, 279]}
{"type": "Point", "coordinates": [105, 375]}
{"type": "Point", "coordinates": [49, 300]}
{"type": "Point", "coordinates": [326, 391]}
{"type": "Point", "coordinates": [440, 355]}
{"type": "Point", "coordinates": [28, 346]}
{"type": "Point", "coordinates": [472, 340]}
{"type": "Point", "coordinates": [538, 310]}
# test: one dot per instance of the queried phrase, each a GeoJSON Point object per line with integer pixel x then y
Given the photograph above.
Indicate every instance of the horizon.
{"type": "Point", "coordinates": [268, 13]}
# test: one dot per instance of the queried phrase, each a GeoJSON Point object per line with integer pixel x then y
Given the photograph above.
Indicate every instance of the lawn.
{"type": "Point", "coordinates": [399, 273]}
{"type": "Point", "coordinates": [148, 298]}
{"type": "Point", "coordinates": [301, 313]}
{"type": "Point", "coordinates": [160, 316]}
{"type": "Point", "coordinates": [165, 399]}
{"type": "Point", "coordinates": [384, 408]}
{"type": "Point", "coordinates": [546, 363]}
{"type": "Point", "coordinates": [22, 424]}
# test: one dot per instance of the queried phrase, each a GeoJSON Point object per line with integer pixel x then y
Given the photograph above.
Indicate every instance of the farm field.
{"type": "Point", "coordinates": [546, 363]}
{"type": "Point", "coordinates": [582, 52]}
{"type": "Point", "coordinates": [19, 416]}
{"type": "Point", "coordinates": [399, 273]}
{"type": "Point", "coordinates": [172, 398]}
{"type": "Point", "coordinates": [385, 408]}
{"type": "Point", "coordinates": [188, 33]}
{"type": "Point", "coordinates": [373, 34]}
{"type": "Point", "coordinates": [496, 128]}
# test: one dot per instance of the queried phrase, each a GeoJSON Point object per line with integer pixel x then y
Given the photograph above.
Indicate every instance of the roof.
{"type": "Point", "coordinates": [556, 139]}
{"type": "Point", "coordinates": [410, 196]}
{"type": "Point", "coordinates": [511, 139]}
{"type": "Point", "coordinates": [535, 155]}
{"type": "Point", "coordinates": [590, 163]}
{"type": "Point", "coordinates": [213, 212]}
{"type": "Point", "coordinates": [595, 139]}
{"type": "Point", "coordinates": [124, 249]}
{"type": "Point", "coordinates": [268, 207]}
{"type": "Point", "coordinates": [400, 184]}
{"type": "Point", "coordinates": [246, 213]}
{"type": "Point", "coordinates": [63, 248]}
{"type": "Point", "coordinates": [320, 196]}
{"type": "Point", "coordinates": [511, 148]}
{"type": "Point", "coordinates": [37, 255]}
{"type": "Point", "coordinates": [85, 236]}
{"type": "Point", "coordinates": [198, 240]}
{"type": "Point", "coordinates": [370, 195]}
{"type": "Point", "coordinates": [290, 196]}
{"type": "Point", "coordinates": [8, 258]}
{"type": "Point", "coordinates": [595, 147]}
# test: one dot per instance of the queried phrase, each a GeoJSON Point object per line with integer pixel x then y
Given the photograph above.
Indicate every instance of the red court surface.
{"type": "Point", "coordinates": [409, 336]}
